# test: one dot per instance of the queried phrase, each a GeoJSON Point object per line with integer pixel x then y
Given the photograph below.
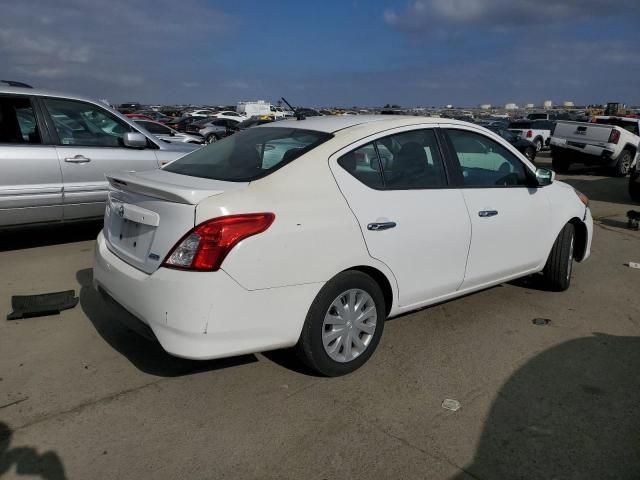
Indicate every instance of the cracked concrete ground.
{"type": "Point", "coordinates": [81, 397]}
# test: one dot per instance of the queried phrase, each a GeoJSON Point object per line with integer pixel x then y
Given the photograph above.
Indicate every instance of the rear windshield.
{"type": "Point", "coordinates": [249, 154]}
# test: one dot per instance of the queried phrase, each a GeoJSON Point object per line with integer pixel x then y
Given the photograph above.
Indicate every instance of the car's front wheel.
{"type": "Point", "coordinates": [557, 271]}
{"type": "Point", "coordinates": [344, 324]}
{"type": "Point", "coordinates": [211, 138]}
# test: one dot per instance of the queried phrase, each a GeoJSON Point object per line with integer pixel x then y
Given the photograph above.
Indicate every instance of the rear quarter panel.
{"type": "Point", "coordinates": [314, 236]}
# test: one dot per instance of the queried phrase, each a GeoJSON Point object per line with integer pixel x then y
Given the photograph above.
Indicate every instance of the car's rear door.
{"type": "Point", "coordinates": [89, 144]}
{"type": "Point", "coordinates": [510, 218]}
{"type": "Point", "coordinates": [410, 217]}
{"type": "Point", "coordinates": [30, 176]}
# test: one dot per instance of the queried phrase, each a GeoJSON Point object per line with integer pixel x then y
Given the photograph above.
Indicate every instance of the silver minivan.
{"type": "Point", "coordinates": [55, 150]}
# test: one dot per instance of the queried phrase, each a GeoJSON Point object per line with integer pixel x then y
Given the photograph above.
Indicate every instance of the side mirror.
{"type": "Point", "coordinates": [172, 133]}
{"type": "Point", "coordinates": [134, 140]}
{"type": "Point", "coordinates": [544, 176]}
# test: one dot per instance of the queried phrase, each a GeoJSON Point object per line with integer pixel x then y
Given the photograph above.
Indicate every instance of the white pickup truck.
{"type": "Point", "coordinates": [536, 131]}
{"type": "Point", "coordinates": [609, 141]}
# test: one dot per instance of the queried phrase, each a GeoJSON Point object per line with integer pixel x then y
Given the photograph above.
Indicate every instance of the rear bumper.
{"type": "Point", "coordinates": [202, 315]}
{"type": "Point", "coordinates": [594, 153]}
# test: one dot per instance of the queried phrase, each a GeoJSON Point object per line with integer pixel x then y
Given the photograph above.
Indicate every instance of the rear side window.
{"type": "Point", "coordinates": [248, 155]}
{"type": "Point", "coordinates": [17, 121]}
{"type": "Point", "coordinates": [408, 160]}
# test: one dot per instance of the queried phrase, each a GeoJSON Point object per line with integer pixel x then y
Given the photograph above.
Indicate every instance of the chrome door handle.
{"type": "Point", "coordinates": [376, 227]}
{"type": "Point", "coordinates": [77, 159]}
{"type": "Point", "coordinates": [487, 213]}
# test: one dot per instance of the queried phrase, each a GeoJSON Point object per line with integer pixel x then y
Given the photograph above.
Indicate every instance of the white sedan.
{"type": "Point", "coordinates": [230, 250]}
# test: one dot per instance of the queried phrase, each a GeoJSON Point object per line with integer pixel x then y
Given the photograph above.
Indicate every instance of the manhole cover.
{"type": "Point", "coordinates": [541, 321]}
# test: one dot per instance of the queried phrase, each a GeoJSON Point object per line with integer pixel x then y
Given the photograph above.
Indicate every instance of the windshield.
{"type": "Point", "coordinates": [248, 155]}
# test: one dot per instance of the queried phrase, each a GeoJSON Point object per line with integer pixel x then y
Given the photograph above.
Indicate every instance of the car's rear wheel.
{"type": "Point", "coordinates": [538, 143]}
{"type": "Point", "coordinates": [530, 153]}
{"type": "Point", "coordinates": [623, 166]}
{"type": "Point", "coordinates": [557, 271]}
{"type": "Point", "coordinates": [211, 138]}
{"type": "Point", "coordinates": [344, 325]}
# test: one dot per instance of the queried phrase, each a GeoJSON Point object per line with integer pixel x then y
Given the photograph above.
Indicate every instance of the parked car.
{"type": "Point", "coordinates": [212, 129]}
{"type": "Point", "coordinates": [156, 116]}
{"type": "Point", "coordinates": [524, 146]}
{"type": "Point", "coordinates": [355, 219]}
{"type": "Point", "coordinates": [229, 115]}
{"type": "Point", "coordinates": [252, 122]}
{"type": "Point", "coordinates": [609, 141]}
{"type": "Point", "coordinates": [180, 124]}
{"type": "Point", "coordinates": [169, 134]}
{"type": "Point", "coordinates": [137, 116]}
{"type": "Point", "coordinates": [537, 131]}
{"type": "Point", "coordinates": [55, 149]}
{"type": "Point", "coordinates": [129, 107]}
{"type": "Point", "coordinates": [200, 113]}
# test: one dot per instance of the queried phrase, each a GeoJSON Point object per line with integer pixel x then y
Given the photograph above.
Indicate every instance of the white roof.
{"type": "Point", "coordinates": [333, 123]}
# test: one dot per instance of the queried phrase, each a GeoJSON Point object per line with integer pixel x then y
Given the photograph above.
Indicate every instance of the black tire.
{"type": "Point", "coordinates": [211, 138]}
{"type": "Point", "coordinates": [310, 347]}
{"type": "Point", "coordinates": [634, 186]}
{"type": "Point", "coordinates": [530, 153]}
{"type": "Point", "coordinates": [557, 271]}
{"type": "Point", "coordinates": [623, 166]}
{"type": "Point", "coordinates": [559, 162]}
{"type": "Point", "coordinates": [538, 143]}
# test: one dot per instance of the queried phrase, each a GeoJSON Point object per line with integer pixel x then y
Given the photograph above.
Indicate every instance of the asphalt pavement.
{"type": "Point", "coordinates": [81, 397]}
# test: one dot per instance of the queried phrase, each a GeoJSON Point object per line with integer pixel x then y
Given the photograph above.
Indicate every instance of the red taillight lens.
{"type": "Point", "coordinates": [614, 136]}
{"type": "Point", "coordinates": [529, 134]}
{"type": "Point", "coordinates": [206, 246]}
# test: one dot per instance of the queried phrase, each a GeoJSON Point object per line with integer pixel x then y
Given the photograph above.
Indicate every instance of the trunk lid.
{"type": "Point", "coordinates": [148, 212]}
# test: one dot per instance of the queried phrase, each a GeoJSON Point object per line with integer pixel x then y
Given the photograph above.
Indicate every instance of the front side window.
{"type": "Point", "coordinates": [486, 163]}
{"type": "Point", "coordinates": [84, 124]}
{"type": "Point", "coordinates": [18, 121]}
{"type": "Point", "coordinates": [248, 155]}
{"type": "Point", "coordinates": [408, 160]}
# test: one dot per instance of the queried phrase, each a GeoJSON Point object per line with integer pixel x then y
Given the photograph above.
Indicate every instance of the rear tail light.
{"type": "Point", "coordinates": [206, 246]}
{"type": "Point", "coordinates": [614, 136]}
{"type": "Point", "coordinates": [529, 134]}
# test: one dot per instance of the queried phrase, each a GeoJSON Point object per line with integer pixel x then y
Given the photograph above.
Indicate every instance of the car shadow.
{"type": "Point", "coordinates": [146, 355]}
{"type": "Point", "coordinates": [43, 236]}
{"type": "Point", "coordinates": [611, 190]}
{"type": "Point", "coordinates": [571, 411]}
{"type": "Point", "coordinates": [26, 459]}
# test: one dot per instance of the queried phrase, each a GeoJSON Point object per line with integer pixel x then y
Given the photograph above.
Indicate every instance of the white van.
{"type": "Point", "coordinates": [259, 108]}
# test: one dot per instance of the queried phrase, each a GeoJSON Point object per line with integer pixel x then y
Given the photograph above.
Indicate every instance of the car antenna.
{"type": "Point", "coordinates": [13, 83]}
{"type": "Point", "coordinates": [299, 115]}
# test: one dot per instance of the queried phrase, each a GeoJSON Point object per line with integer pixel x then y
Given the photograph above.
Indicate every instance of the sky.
{"type": "Point", "coordinates": [326, 53]}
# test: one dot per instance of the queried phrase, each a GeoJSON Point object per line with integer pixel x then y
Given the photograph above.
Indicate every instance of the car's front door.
{"type": "Point", "coordinates": [90, 144]}
{"type": "Point", "coordinates": [510, 217]}
{"type": "Point", "coordinates": [30, 176]}
{"type": "Point", "coordinates": [410, 219]}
